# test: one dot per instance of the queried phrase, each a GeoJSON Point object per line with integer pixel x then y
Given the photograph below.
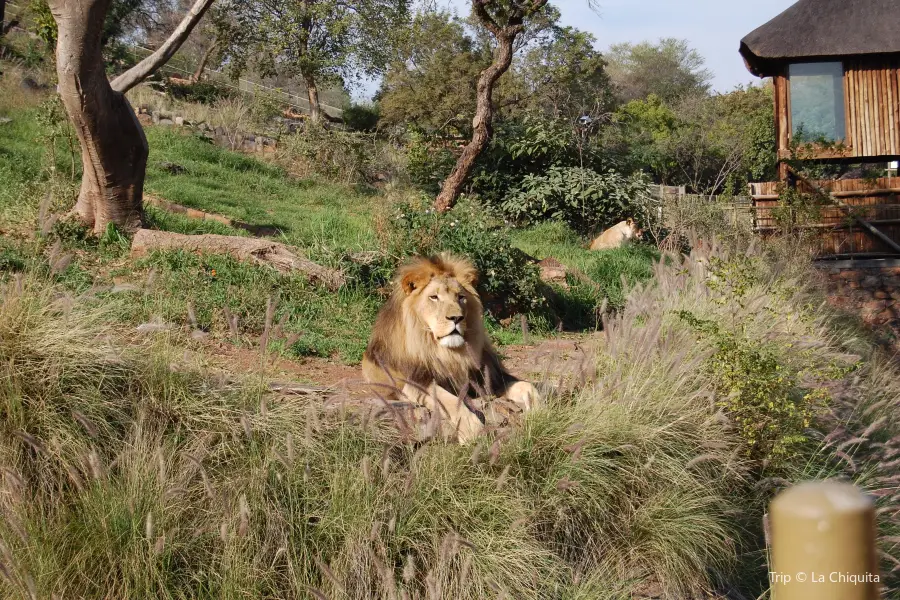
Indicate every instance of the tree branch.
{"type": "Point", "coordinates": [149, 65]}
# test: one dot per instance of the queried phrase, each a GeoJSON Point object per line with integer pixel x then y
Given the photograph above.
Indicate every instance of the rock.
{"type": "Point", "coordinates": [553, 271]}
{"type": "Point", "coordinates": [5, 120]}
{"type": "Point", "coordinates": [219, 131]}
{"type": "Point", "coordinates": [881, 294]}
{"type": "Point", "coordinates": [165, 122]}
{"type": "Point", "coordinates": [145, 120]}
{"type": "Point", "coordinates": [871, 282]}
{"type": "Point", "coordinates": [179, 121]}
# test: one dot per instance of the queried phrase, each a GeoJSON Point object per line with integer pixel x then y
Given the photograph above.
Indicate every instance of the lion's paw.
{"type": "Point", "coordinates": [469, 427]}
{"type": "Point", "coordinates": [524, 394]}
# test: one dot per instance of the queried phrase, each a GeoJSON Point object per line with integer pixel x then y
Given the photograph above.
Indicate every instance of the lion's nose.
{"type": "Point", "coordinates": [457, 319]}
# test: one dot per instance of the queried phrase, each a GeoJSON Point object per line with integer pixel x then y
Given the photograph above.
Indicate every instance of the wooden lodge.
{"type": "Point", "coordinates": [835, 67]}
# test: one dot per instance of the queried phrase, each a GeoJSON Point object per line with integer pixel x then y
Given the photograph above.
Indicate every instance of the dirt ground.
{"type": "Point", "coordinates": [551, 361]}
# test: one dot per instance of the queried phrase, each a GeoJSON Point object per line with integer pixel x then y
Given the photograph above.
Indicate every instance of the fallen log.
{"type": "Point", "coordinates": [258, 251]}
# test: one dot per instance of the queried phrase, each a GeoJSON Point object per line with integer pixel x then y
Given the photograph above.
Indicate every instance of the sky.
{"type": "Point", "coordinates": [713, 27]}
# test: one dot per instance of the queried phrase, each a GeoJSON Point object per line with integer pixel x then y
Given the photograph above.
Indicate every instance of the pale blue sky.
{"type": "Point", "coordinates": [713, 27]}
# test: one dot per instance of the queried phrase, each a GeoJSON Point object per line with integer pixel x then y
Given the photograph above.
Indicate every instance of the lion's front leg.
{"type": "Point", "coordinates": [465, 422]}
{"type": "Point", "coordinates": [523, 394]}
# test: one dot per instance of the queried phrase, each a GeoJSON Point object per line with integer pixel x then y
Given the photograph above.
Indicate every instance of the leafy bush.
{"type": "Point", "coordinates": [529, 147]}
{"type": "Point", "coordinates": [763, 396]}
{"type": "Point", "coordinates": [341, 156]}
{"type": "Point", "coordinates": [509, 283]}
{"type": "Point", "coordinates": [201, 92]}
{"type": "Point", "coordinates": [361, 117]}
{"type": "Point", "coordinates": [428, 163]}
{"type": "Point", "coordinates": [585, 199]}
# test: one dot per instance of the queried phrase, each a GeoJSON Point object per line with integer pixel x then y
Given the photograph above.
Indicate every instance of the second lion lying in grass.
{"type": "Point", "coordinates": [429, 342]}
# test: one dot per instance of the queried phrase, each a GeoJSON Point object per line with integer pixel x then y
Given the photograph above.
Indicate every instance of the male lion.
{"type": "Point", "coordinates": [617, 235]}
{"type": "Point", "coordinates": [429, 342]}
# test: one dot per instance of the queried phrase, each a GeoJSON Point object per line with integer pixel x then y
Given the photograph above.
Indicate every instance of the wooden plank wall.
{"type": "Point", "coordinates": [872, 103]}
{"type": "Point", "coordinates": [876, 201]}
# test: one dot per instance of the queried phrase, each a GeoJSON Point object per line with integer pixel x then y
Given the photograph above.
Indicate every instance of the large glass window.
{"type": "Point", "coordinates": [817, 101]}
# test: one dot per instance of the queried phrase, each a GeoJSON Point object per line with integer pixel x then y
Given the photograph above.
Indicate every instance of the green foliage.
{"type": "Point", "coordinates": [585, 199]}
{"type": "Point", "coordinates": [761, 391]}
{"type": "Point", "coordinates": [324, 42]}
{"type": "Point", "coordinates": [201, 92]}
{"type": "Point", "coordinates": [118, 18]}
{"type": "Point", "coordinates": [509, 284]}
{"type": "Point", "coordinates": [669, 69]}
{"type": "Point", "coordinates": [430, 85]}
{"type": "Point", "coordinates": [562, 77]}
{"type": "Point", "coordinates": [43, 23]}
{"type": "Point", "coordinates": [428, 163]}
{"type": "Point", "coordinates": [761, 395]}
{"type": "Point", "coordinates": [530, 146]}
{"type": "Point", "coordinates": [361, 117]}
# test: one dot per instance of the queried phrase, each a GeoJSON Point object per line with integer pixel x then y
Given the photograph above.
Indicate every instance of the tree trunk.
{"type": "Point", "coordinates": [264, 252]}
{"type": "Point", "coordinates": [481, 124]}
{"type": "Point", "coordinates": [312, 91]}
{"type": "Point", "coordinates": [198, 73]}
{"type": "Point", "coordinates": [113, 147]}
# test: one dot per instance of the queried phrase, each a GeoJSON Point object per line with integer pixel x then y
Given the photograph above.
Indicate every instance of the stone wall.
{"type": "Point", "coordinates": [870, 288]}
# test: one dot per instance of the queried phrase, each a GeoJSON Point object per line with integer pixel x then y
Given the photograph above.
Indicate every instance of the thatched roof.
{"type": "Point", "coordinates": [822, 29]}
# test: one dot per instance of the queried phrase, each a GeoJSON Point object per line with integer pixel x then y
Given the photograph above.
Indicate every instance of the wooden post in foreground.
{"type": "Point", "coordinates": [823, 544]}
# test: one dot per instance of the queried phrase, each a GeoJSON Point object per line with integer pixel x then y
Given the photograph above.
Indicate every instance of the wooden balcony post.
{"type": "Point", "coordinates": [823, 544]}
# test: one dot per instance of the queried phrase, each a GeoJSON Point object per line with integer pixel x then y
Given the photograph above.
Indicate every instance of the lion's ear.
{"type": "Point", "coordinates": [630, 221]}
{"type": "Point", "coordinates": [413, 280]}
{"type": "Point", "coordinates": [469, 276]}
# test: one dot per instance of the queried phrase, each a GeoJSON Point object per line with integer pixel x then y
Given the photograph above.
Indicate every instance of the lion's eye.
{"type": "Point", "coordinates": [462, 298]}
{"type": "Point", "coordinates": [435, 298]}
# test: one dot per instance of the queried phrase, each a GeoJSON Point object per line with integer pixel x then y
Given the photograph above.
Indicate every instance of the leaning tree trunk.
{"type": "Point", "coordinates": [481, 124]}
{"type": "Point", "coordinates": [113, 147]}
{"type": "Point", "coordinates": [312, 92]}
{"type": "Point", "coordinates": [198, 73]}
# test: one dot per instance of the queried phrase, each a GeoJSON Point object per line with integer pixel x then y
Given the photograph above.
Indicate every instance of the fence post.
{"type": "Point", "coordinates": [823, 543]}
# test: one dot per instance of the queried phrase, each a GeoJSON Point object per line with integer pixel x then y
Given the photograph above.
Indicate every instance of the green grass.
{"type": "Point", "coordinates": [325, 220]}
{"type": "Point", "coordinates": [249, 190]}
{"type": "Point", "coordinates": [328, 324]}
{"type": "Point", "coordinates": [133, 473]}
{"type": "Point", "coordinates": [613, 271]}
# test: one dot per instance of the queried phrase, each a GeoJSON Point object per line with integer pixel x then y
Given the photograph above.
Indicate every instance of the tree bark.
{"type": "Point", "coordinates": [482, 128]}
{"type": "Point", "coordinates": [273, 254]}
{"type": "Point", "coordinates": [198, 73]}
{"type": "Point", "coordinates": [149, 65]}
{"type": "Point", "coordinates": [312, 92]}
{"type": "Point", "coordinates": [505, 34]}
{"type": "Point", "coordinates": [113, 147]}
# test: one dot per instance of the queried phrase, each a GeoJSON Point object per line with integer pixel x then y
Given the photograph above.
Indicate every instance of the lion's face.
{"type": "Point", "coordinates": [440, 294]}
{"type": "Point", "coordinates": [442, 307]}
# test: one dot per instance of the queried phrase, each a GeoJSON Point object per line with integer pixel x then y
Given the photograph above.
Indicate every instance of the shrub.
{"type": "Point", "coordinates": [584, 199]}
{"type": "Point", "coordinates": [201, 92]}
{"type": "Point", "coordinates": [764, 397]}
{"type": "Point", "coordinates": [509, 283]}
{"type": "Point", "coordinates": [520, 148]}
{"type": "Point", "coordinates": [340, 156]}
{"type": "Point", "coordinates": [361, 117]}
{"type": "Point", "coordinates": [428, 163]}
